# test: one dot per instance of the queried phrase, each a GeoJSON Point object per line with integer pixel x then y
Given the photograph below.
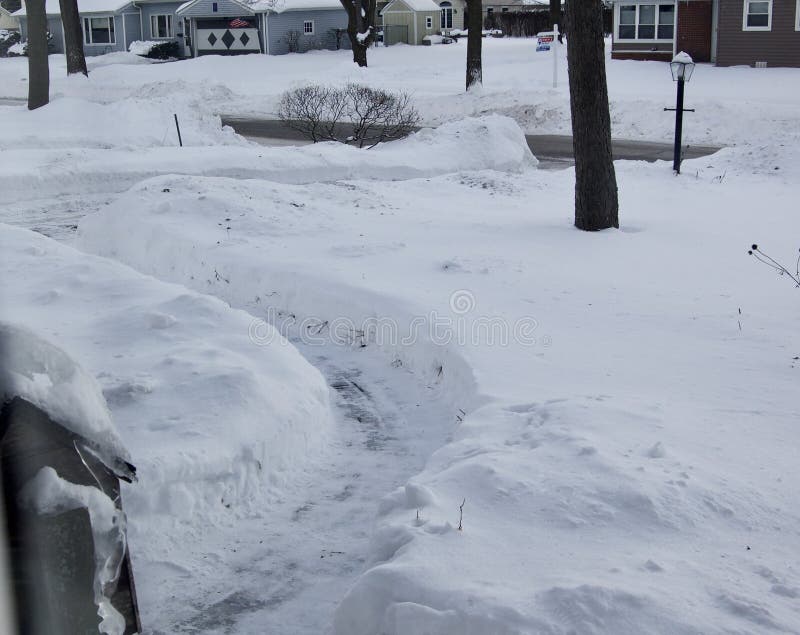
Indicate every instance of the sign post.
{"type": "Point", "coordinates": [554, 46]}
{"type": "Point", "coordinates": [548, 41]}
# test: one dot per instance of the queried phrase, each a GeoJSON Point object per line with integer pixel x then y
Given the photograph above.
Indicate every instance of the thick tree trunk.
{"type": "Point", "coordinates": [38, 68]}
{"type": "Point", "coordinates": [73, 37]}
{"type": "Point", "coordinates": [474, 43]}
{"type": "Point", "coordinates": [360, 27]}
{"type": "Point", "coordinates": [555, 17]}
{"type": "Point", "coordinates": [596, 204]}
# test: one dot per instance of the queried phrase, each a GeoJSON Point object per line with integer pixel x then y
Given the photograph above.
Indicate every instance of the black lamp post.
{"type": "Point", "coordinates": [682, 68]}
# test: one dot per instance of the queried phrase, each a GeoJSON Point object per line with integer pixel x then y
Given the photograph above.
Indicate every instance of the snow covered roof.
{"type": "Point", "coordinates": [279, 6]}
{"type": "Point", "coordinates": [226, 8]}
{"type": "Point", "coordinates": [416, 5]}
{"type": "Point", "coordinates": [84, 6]}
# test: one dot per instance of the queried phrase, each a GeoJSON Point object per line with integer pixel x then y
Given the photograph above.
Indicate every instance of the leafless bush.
{"type": "Point", "coordinates": [355, 114]}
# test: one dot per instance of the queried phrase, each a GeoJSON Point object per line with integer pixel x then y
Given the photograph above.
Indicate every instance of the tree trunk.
{"type": "Point", "coordinates": [474, 43]}
{"type": "Point", "coordinates": [596, 204]}
{"type": "Point", "coordinates": [555, 17]}
{"type": "Point", "coordinates": [38, 68]}
{"type": "Point", "coordinates": [360, 27]}
{"type": "Point", "coordinates": [73, 37]}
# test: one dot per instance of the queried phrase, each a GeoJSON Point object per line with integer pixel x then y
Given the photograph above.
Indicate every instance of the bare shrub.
{"type": "Point", "coordinates": [354, 114]}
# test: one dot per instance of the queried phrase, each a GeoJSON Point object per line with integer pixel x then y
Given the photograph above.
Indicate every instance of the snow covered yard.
{"type": "Point", "coordinates": [616, 410]}
{"type": "Point", "coordinates": [731, 103]}
{"type": "Point", "coordinates": [628, 451]}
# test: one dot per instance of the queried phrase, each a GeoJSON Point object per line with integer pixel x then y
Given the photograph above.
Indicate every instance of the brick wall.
{"type": "Point", "coordinates": [694, 29]}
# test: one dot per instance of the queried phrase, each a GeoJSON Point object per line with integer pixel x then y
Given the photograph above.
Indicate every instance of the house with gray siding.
{"type": "Point", "coordinates": [757, 33]}
{"type": "Point", "coordinates": [205, 27]}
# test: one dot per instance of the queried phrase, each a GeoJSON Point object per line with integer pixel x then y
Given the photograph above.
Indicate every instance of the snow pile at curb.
{"type": "Point", "coordinates": [488, 143]}
{"type": "Point", "coordinates": [212, 419]}
{"type": "Point", "coordinates": [132, 123]}
{"type": "Point", "coordinates": [41, 373]}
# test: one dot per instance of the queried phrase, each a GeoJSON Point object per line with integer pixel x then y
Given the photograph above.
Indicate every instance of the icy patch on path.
{"type": "Point", "coordinates": [286, 570]}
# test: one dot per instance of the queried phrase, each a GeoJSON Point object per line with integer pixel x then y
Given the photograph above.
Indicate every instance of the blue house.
{"type": "Point", "coordinates": [204, 27]}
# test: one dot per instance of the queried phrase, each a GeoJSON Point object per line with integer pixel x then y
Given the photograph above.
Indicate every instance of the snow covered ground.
{"type": "Point", "coordinates": [731, 103]}
{"type": "Point", "coordinates": [616, 411]}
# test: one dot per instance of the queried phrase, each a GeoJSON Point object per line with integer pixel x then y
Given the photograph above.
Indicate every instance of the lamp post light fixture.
{"type": "Point", "coordinates": [682, 68]}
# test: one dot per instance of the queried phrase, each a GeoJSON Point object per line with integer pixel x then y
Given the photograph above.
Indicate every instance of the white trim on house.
{"type": "Point", "coordinates": [746, 5]}
{"type": "Point", "coordinates": [170, 26]}
{"type": "Point", "coordinates": [655, 3]}
{"type": "Point", "coordinates": [124, 34]}
{"type": "Point", "coordinates": [428, 23]}
{"type": "Point", "coordinates": [305, 31]}
{"type": "Point", "coordinates": [797, 16]}
{"type": "Point", "coordinates": [87, 35]}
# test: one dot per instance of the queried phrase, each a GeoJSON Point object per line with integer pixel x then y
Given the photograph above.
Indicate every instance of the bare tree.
{"type": "Point", "coordinates": [38, 66]}
{"type": "Point", "coordinates": [474, 43]}
{"type": "Point", "coordinates": [360, 27]}
{"type": "Point", "coordinates": [596, 205]}
{"type": "Point", "coordinates": [73, 37]}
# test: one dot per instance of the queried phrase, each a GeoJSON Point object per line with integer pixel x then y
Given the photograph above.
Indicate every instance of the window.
{"type": "Point", "coordinates": [647, 22]}
{"type": "Point", "coordinates": [504, 10]}
{"type": "Point", "coordinates": [214, 7]}
{"type": "Point", "coordinates": [98, 30]}
{"type": "Point", "coordinates": [757, 15]}
{"type": "Point", "coordinates": [447, 15]}
{"type": "Point", "coordinates": [490, 11]}
{"type": "Point", "coordinates": [161, 26]}
{"type": "Point", "coordinates": [428, 22]}
{"type": "Point", "coordinates": [308, 27]}
{"type": "Point", "coordinates": [666, 21]}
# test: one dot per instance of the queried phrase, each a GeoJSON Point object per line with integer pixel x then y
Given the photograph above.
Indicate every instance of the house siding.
{"type": "Point", "coordinates": [694, 29]}
{"type": "Point", "coordinates": [133, 28]}
{"type": "Point", "coordinates": [280, 25]}
{"type": "Point", "coordinates": [400, 17]}
{"type": "Point", "coordinates": [778, 47]}
{"type": "Point", "coordinates": [160, 8]}
{"type": "Point", "coordinates": [225, 9]}
{"type": "Point", "coordinates": [422, 30]}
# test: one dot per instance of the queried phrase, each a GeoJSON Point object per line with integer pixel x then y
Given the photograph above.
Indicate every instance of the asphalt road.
{"type": "Point", "coordinates": [556, 148]}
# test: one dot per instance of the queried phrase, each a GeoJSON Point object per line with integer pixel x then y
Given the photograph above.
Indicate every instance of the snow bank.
{"type": "Point", "coordinates": [631, 469]}
{"type": "Point", "coordinates": [132, 123]}
{"type": "Point", "coordinates": [486, 143]}
{"type": "Point", "coordinates": [142, 47]}
{"type": "Point", "coordinates": [47, 493]}
{"type": "Point", "coordinates": [177, 233]}
{"type": "Point", "coordinates": [214, 421]}
{"type": "Point", "coordinates": [46, 376]}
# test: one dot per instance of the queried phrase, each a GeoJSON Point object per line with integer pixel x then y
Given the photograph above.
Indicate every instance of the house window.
{"type": "Point", "coordinates": [757, 15]}
{"type": "Point", "coordinates": [98, 30]}
{"type": "Point", "coordinates": [504, 10]}
{"type": "Point", "coordinates": [161, 26]}
{"type": "Point", "coordinates": [447, 15]}
{"type": "Point", "coordinates": [647, 22]}
{"type": "Point", "coordinates": [428, 22]}
{"type": "Point", "coordinates": [308, 27]}
{"type": "Point", "coordinates": [490, 11]}
{"type": "Point", "coordinates": [214, 7]}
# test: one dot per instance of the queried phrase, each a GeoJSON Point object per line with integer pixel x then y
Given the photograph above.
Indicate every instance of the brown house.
{"type": "Point", "coordinates": [725, 32]}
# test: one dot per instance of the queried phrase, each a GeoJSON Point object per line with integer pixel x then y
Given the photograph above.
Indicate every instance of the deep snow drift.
{"type": "Point", "coordinates": [215, 422]}
{"type": "Point", "coordinates": [632, 467]}
{"type": "Point", "coordinates": [616, 411]}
